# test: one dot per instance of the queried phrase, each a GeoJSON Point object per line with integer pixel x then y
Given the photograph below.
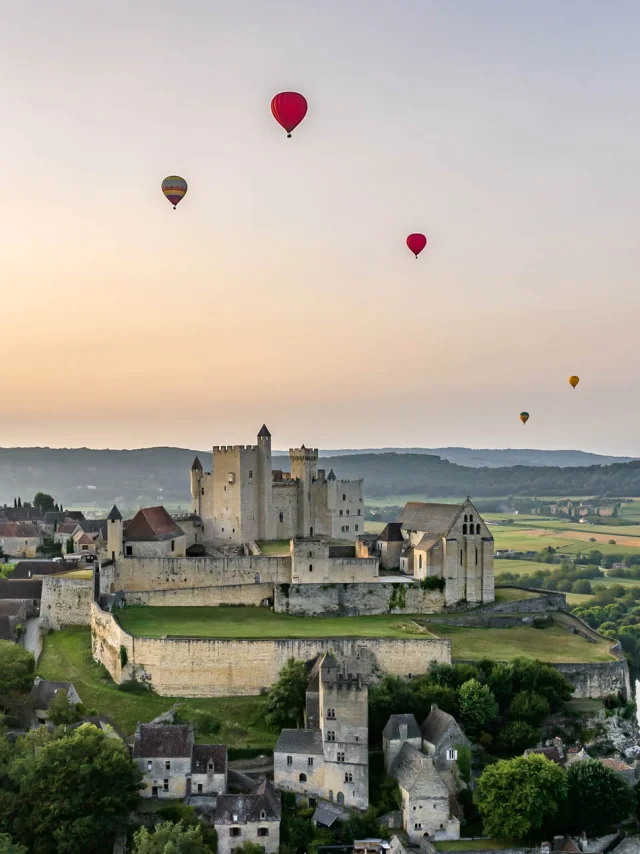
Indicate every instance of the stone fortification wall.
{"type": "Point", "coordinates": [173, 573]}
{"type": "Point", "coordinates": [544, 601]}
{"type": "Point", "coordinates": [244, 594]}
{"type": "Point", "coordinates": [65, 602]}
{"type": "Point", "coordinates": [352, 599]}
{"type": "Point", "coordinates": [598, 680]}
{"type": "Point", "coordinates": [208, 667]}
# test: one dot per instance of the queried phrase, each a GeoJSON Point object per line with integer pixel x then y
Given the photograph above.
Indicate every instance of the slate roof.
{"type": "Point", "coordinates": [429, 518]}
{"type": "Point", "coordinates": [416, 773]}
{"type": "Point", "coordinates": [24, 530]}
{"type": "Point", "coordinates": [44, 692]}
{"type": "Point", "coordinates": [152, 523]}
{"type": "Point", "coordinates": [392, 729]}
{"type": "Point", "coordinates": [308, 741]}
{"type": "Point", "coordinates": [196, 465]}
{"type": "Point", "coordinates": [324, 816]}
{"type": "Point", "coordinates": [115, 514]}
{"type": "Point", "coordinates": [392, 533]}
{"type": "Point", "coordinates": [331, 475]}
{"type": "Point", "coordinates": [247, 808]}
{"type": "Point", "coordinates": [52, 516]}
{"type": "Point", "coordinates": [163, 741]}
{"type": "Point", "coordinates": [436, 724]}
{"type": "Point", "coordinates": [10, 589]}
{"type": "Point", "coordinates": [10, 607]}
{"type": "Point", "coordinates": [95, 526]}
{"type": "Point", "coordinates": [28, 568]}
{"type": "Point", "coordinates": [201, 755]}
{"type": "Point", "coordinates": [264, 431]}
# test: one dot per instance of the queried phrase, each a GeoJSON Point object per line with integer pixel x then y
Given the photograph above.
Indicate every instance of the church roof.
{"type": "Point", "coordinates": [115, 514]}
{"type": "Point", "coordinates": [196, 465]}
{"type": "Point", "coordinates": [429, 518]}
{"type": "Point", "coordinates": [152, 523]}
{"type": "Point", "coordinates": [264, 432]}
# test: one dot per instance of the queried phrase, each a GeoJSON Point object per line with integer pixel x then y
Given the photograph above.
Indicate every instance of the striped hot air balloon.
{"type": "Point", "coordinates": [175, 189]}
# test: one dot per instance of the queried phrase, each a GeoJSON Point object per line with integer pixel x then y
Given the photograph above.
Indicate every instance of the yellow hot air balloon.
{"type": "Point", "coordinates": [524, 417]}
{"type": "Point", "coordinates": [573, 381]}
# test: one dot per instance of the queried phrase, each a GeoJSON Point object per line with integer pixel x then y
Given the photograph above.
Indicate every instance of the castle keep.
{"type": "Point", "coordinates": [243, 499]}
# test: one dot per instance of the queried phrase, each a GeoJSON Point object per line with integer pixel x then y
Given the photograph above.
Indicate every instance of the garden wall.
{"type": "Point", "coordinates": [354, 599]}
{"type": "Point", "coordinates": [212, 667]}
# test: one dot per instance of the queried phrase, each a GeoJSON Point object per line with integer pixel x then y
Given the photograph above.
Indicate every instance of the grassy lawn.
{"type": "Point", "coordinates": [258, 623]}
{"type": "Point", "coordinates": [510, 594]}
{"type": "Point", "coordinates": [275, 548]}
{"type": "Point", "coordinates": [67, 657]}
{"type": "Point", "coordinates": [552, 644]}
{"type": "Point", "coordinates": [76, 573]}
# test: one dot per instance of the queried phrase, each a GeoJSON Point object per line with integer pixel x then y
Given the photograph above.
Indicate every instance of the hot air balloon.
{"type": "Point", "coordinates": [573, 381]}
{"type": "Point", "coordinates": [524, 417]}
{"type": "Point", "coordinates": [175, 189]}
{"type": "Point", "coordinates": [416, 243]}
{"type": "Point", "coordinates": [289, 109]}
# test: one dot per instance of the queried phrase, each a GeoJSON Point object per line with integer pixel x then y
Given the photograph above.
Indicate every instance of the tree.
{"type": "Point", "coordinates": [16, 669]}
{"type": "Point", "coordinates": [541, 678]}
{"type": "Point", "coordinates": [583, 586]}
{"type": "Point", "coordinates": [49, 548]}
{"type": "Point", "coordinates": [248, 847]}
{"type": "Point", "coordinates": [287, 696]}
{"type": "Point", "coordinates": [7, 846]}
{"type": "Point", "coordinates": [592, 786]}
{"type": "Point", "coordinates": [530, 707]}
{"type": "Point", "coordinates": [62, 710]}
{"type": "Point", "coordinates": [19, 502]}
{"type": "Point", "coordinates": [518, 796]}
{"type": "Point", "coordinates": [74, 794]}
{"type": "Point", "coordinates": [169, 838]}
{"type": "Point", "coordinates": [477, 704]}
{"type": "Point", "coordinates": [44, 501]}
{"type": "Point", "coordinates": [516, 736]}
{"type": "Point", "coordinates": [70, 545]}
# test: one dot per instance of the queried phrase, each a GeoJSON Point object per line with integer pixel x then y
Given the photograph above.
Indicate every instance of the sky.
{"type": "Point", "coordinates": [281, 290]}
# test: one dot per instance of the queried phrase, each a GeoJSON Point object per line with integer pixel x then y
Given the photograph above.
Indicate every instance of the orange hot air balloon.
{"type": "Point", "coordinates": [573, 381]}
{"type": "Point", "coordinates": [524, 417]}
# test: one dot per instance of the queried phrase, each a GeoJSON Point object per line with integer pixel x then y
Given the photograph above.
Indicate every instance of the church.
{"type": "Point", "coordinates": [244, 499]}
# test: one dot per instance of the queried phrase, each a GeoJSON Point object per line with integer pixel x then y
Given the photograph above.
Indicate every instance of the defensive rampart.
{"type": "Point", "coordinates": [65, 602]}
{"type": "Point", "coordinates": [243, 594]}
{"type": "Point", "coordinates": [217, 667]}
{"type": "Point", "coordinates": [353, 599]}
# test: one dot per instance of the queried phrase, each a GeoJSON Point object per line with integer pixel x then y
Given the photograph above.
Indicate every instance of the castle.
{"type": "Point", "coordinates": [243, 499]}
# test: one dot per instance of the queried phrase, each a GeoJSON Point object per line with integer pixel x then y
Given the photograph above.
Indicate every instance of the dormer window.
{"type": "Point", "coordinates": [210, 766]}
{"type": "Point", "coordinates": [263, 815]}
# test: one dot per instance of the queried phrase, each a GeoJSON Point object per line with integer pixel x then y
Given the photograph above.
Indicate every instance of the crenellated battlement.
{"type": "Point", "coordinates": [307, 453]}
{"type": "Point", "coordinates": [226, 449]}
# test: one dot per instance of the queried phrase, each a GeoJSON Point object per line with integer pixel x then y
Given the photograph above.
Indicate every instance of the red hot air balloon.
{"type": "Point", "coordinates": [289, 109]}
{"type": "Point", "coordinates": [416, 243]}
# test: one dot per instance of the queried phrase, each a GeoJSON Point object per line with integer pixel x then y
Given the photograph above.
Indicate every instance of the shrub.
{"type": "Point", "coordinates": [124, 656]}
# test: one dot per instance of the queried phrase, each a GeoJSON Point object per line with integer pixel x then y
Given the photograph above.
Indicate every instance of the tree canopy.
{"type": "Point", "coordinates": [62, 711]}
{"type": "Point", "coordinates": [519, 796]}
{"type": "Point", "coordinates": [591, 786]}
{"type": "Point", "coordinates": [170, 838]}
{"type": "Point", "coordinates": [44, 501]}
{"type": "Point", "coordinates": [287, 696]}
{"type": "Point", "coordinates": [16, 669]}
{"type": "Point", "coordinates": [477, 704]}
{"type": "Point", "coordinates": [8, 846]}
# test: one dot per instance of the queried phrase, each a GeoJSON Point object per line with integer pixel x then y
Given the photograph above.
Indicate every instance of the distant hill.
{"type": "Point", "coordinates": [477, 457]}
{"type": "Point", "coordinates": [80, 477]}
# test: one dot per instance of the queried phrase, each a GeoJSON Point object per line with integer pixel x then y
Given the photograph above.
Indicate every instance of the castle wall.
{"type": "Point", "coordinates": [161, 548]}
{"type": "Point", "coordinates": [356, 599]}
{"type": "Point", "coordinates": [338, 508]}
{"type": "Point", "coordinates": [311, 563]}
{"type": "Point", "coordinates": [208, 667]}
{"type": "Point", "coordinates": [65, 602]}
{"type": "Point", "coordinates": [235, 494]}
{"type": "Point", "coordinates": [285, 503]}
{"type": "Point", "coordinates": [172, 573]}
{"type": "Point", "coordinates": [244, 594]}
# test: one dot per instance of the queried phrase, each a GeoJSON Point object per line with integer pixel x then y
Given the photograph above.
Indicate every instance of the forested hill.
{"type": "Point", "coordinates": [84, 478]}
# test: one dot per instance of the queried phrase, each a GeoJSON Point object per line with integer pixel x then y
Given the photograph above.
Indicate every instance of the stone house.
{"type": "Point", "coordinates": [441, 737]}
{"type": "Point", "coordinates": [173, 766]}
{"type": "Point", "coordinates": [253, 817]}
{"type": "Point", "coordinates": [390, 545]}
{"type": "Point", "coordinates": [151, 533]}
{"type": "Point", "coordinates": [449, 542]}
{"type": "Point", "coordinates": [64, 532]}
{"type": "Point", "coordinates": [19, 539]}
{"type": "Point", "coordinates": [400, 729]}
{"type": "Point", "coordinates": [426, 801]}
{"type": "Point", "coordinates": [44, 691]}
{"type": "Point", "coordinates": [329, 759]}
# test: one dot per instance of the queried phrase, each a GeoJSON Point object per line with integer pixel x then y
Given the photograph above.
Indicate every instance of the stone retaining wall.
{"type": "Point", "coordinates": [243, 594]}
{"type": "Point", "coordinates": [354, 599]}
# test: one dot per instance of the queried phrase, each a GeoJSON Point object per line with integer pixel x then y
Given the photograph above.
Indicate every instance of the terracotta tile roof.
{"type": "Point", "coordinates": [24, 530]}
{"type": "Point", "coordinates": [163, 741]}
{"type": "Point", "coordinates": [152, 523]}
{"type": "Point", "coordinates": [66, 528]}
{"type": "Point", "coordinates": [550, 752]}
{"type": "Point", "coordinates": [616, 765]}
{"type": "Point", "coordinates": [85, 540]}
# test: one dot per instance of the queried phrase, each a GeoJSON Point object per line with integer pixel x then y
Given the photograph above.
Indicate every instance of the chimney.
{"type": "Point", "coordinates": [403, 729]}
{"type": "Point", "coordinates": [582, 842]}
{"type": "Point", "coordinates": [434, 707]}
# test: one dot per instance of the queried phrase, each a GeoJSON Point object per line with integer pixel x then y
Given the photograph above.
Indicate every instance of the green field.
{"type": "Point", "coordinates": [67, 657]}
{"type": "Point", "coordinates": [223, 622]}
{"type": "Point", "coordinates": [512, 594]}
{"type": "Point", "coordinates": [552, 644]}
{"type": "Point", "coordinates": [274, 547]}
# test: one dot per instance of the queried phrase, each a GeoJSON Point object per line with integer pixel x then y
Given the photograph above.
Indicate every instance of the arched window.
{"type": "Point", "coordinates": [476, 557]}
{"type": "Point", "coordinates": [477, 529]}
{"type": "Point", "coordinates": [281, 516]}
{"type": "Point", "coordinates": [464, 528]}
{"type": "Point", "coordinates": [419, 561]}
{"type": "Point", "coordinates": [471, 517]}
{"type": "Point", "coordinates": [302, 778]}
{"type": "Point", "coordinates": [257, 578]}
{"type": "Point", "coordinates": [460, 557]}
{"type": "Point", "coordinates": [331, 794]}
{"type": "Point", "coordinates": [466, 518]}
{"type": "Point", "coordinates": [340, 798]}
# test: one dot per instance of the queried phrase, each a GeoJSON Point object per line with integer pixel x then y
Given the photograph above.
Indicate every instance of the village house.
{"type": "Point", "coordinates": [329, 758]}
{"type": "Point", "coordinates": [19, 539]}
{"type": "Point", "coordinates": [253, 817]}
{"type": "Point", "coordinates": [173, 766]}
{"type": "Point", "coordinates": [400, 729]}
{"type": "Point", "coordinates": [44, 691]}
{"type": "Point", "coordinates": [64, 532]}
{"type": "Point", "coordinates": [442, 736]}
{"type": "Point", "coordinates": [151, 533]}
